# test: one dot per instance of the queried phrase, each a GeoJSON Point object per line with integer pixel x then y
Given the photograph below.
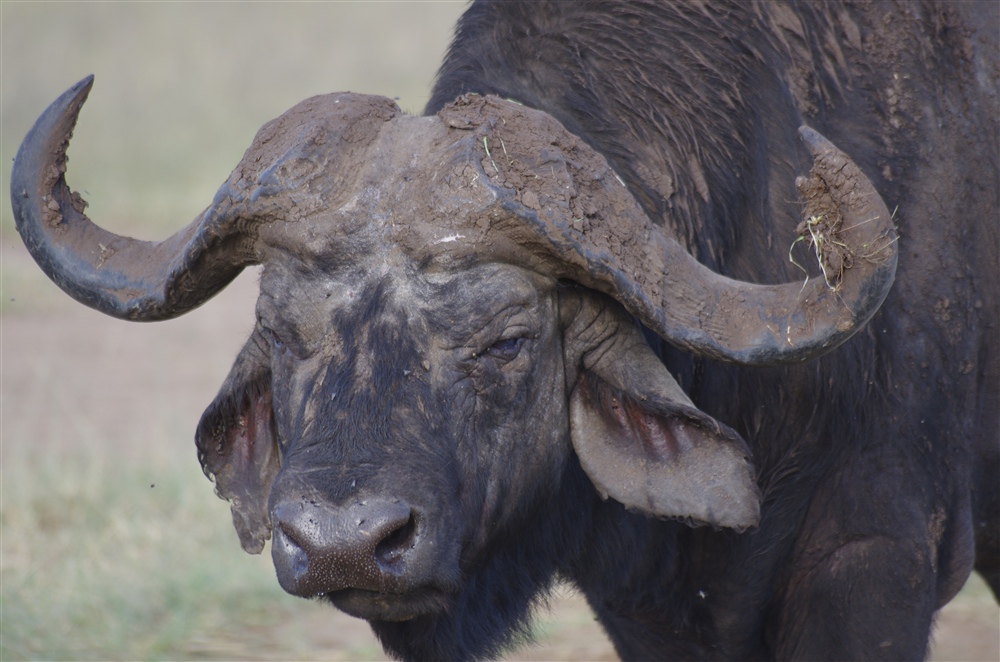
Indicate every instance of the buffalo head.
{"type": "Point", "coordinates": [449, 316]}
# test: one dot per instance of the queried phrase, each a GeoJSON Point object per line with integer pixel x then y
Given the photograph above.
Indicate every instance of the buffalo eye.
{"type": "Point", "coordinates": [505, 350]}
{"type": "Point", "coordinates": [274, 339]}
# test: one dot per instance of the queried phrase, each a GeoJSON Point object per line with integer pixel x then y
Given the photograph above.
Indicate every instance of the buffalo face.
{"type": "Point", "coordinates": [405, 431]}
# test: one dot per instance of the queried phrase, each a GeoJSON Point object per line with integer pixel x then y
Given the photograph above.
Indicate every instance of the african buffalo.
{"type": "Point", "coordinates": [557, 328]}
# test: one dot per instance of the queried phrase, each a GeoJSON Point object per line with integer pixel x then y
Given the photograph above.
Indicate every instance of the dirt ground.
{"type": "Point", "coordinates": [70, 374]}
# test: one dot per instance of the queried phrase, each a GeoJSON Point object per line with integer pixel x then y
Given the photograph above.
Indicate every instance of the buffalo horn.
{"type": "Point", "coordinates": [712, 315]}
{"type": "Point", "coordinates": [120, 276]}
{"type": "Point", "coordinates": [622, 253]}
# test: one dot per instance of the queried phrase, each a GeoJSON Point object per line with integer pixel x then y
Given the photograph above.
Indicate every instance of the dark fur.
{"type": "Point", "coordinates": [878, 461]}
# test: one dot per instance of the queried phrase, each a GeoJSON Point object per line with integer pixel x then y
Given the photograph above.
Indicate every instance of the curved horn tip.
{"type": "Point", "coordinates": [79, 92]}
{"type": "Point", "coordinates": [72, 99]}
{"type": "Point", "coordinates": [69, 102]}
{"type": "Point", "coordinates": [85, 82]}
{"type": "Point", "coordinates": [47, 141]}
{"type": "Point", "coordinates": [815, 141]}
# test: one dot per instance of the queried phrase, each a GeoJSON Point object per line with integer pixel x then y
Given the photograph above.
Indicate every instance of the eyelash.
{"type": "Point", "coordinates": [504, 350]}
{"type": "Point", "coordinates": [279, 344]}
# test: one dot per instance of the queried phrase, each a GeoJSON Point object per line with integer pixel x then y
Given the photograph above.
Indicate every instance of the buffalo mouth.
{"type": "Point", "coordinates": [378, 606]}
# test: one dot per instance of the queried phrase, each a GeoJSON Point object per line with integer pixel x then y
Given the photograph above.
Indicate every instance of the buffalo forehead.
{"type": "Point", "coordinates": [416, 187]}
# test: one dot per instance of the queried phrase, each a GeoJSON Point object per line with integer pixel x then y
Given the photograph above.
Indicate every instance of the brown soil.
{"type": "Point", "coordinates": [114, 378]}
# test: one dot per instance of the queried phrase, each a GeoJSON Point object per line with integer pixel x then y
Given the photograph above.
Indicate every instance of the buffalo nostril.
{"type": "Point", "coordinates": [291, 557]}
{"type": "Point", "coordinates": [298, 558]}
{"type": "Point", "coordinates": [396, 543]}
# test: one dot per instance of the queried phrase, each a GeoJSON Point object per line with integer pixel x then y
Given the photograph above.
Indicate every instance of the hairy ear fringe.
{"type": "Point", "coordinates": [662, 458]}
{"type": "Point", "coordinates": [238, 450]}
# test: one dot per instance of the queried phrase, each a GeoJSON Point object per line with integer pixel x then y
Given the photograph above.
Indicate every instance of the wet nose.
{"type": "Point", "coordinates": [319, 548]}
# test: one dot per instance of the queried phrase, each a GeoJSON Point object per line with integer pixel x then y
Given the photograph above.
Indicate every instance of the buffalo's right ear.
{"type": "Point", "coordinates": [237, 444]}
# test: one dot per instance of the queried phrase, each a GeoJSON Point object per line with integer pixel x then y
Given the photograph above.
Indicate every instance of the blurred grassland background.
{"type": "Point", "coordinates": [112, 545]}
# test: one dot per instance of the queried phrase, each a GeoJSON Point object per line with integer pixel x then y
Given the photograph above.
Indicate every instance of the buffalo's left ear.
{"type": "Point", "coordinates": [237, 445]}
{"type": "Point", "coordinates": [641, 440]}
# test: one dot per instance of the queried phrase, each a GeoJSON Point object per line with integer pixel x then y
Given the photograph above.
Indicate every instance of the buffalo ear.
{"type": "Point", "coordinates": [642, 442]}
{"type": "Point", "coordinates": [238, 449]}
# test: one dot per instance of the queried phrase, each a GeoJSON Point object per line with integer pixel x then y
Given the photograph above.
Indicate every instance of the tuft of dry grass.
{"type": "Point", "coordinates": [822, 233]}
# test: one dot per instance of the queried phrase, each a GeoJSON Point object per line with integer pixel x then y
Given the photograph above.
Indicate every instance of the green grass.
{"type": "Point", "coordinates": [121, 560]}
{"type": "Point", "coordinates": [106, 557]}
